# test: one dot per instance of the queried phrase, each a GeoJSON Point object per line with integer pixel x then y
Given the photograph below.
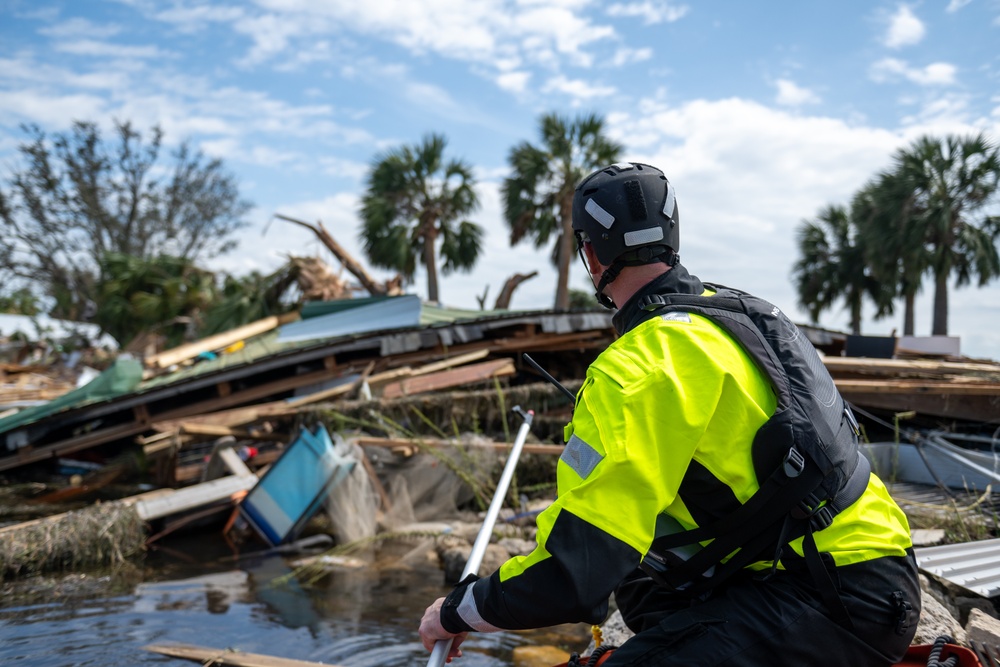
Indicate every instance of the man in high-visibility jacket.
{"type": "Point", "coordinates": [666, 438]}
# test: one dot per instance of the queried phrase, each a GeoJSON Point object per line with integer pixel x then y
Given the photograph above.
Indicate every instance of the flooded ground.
{"type": "Point", "coordinates": [196, 594]}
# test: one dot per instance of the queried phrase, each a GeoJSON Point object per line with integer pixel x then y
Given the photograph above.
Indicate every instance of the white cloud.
{"type": "Point", "coordinates": [97, 49]}
{"type": "Point", "coordinates": [941, 114]}
{"type": "Point", "coordinates": [194, 19]}
{"type": "Point", "coordinates": [732, 160]}
{"type": "Point", "coordinates": [904, 29]}
{"type": "Point", "coordinates": [24, 73]}
{"type": "Point", "coordinates": [955, 5]}
{"type": "Point", "coordinates": [579, 90]}
{"type": "Point", "coordinates": [49, 110]}
{"type": "Point", "coordinates": [625, 55]}
{"type": "Point", "coordinates": [792, 95]}
{"type": "Point", "coordinates": [935, 74]}
{"type": "Point", "coordinates": [515, 82]}
{"type": "Point", "coordinates": [486, 33]}
{"type": "Point", "coordinates": [651, 11]}
{"type": "Point", "coordinates": [79, 27]}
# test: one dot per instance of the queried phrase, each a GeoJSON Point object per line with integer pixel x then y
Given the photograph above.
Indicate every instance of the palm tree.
{"type": "Point", "coordinates": [886, 214]}
{"type": "Point", "coordinates": [834, 265]}
{"type": "Point", "coordinates": [950, 181]}
{"type": "Point", "coordinates": [538, 195]}
{"type": "Point", "coordinates": [414, 199]}
{"type": "Point", "coordinates": [163, 294]}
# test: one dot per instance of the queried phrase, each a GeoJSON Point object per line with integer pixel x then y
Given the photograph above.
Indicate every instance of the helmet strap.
{"type": "Point", "coordinates": [667, 256]}
{"type": "Point", "coordinates": [606, 278]}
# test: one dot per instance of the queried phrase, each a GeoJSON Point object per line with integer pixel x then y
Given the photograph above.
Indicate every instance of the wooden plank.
{"type": "Point", "coordinates": [26, 455]}
{"type": "Point", "coordinates": [908, 366]}
{"type": "Point", "coordinates": [216, 431]}
{"type": "Point", "coordinates": [217, 342]}
{"type": "Point", "coordinates": [195, 496]}
{"type": "Point", "coordinates": [234, 463]}
{"type": "Point", "coordinates": [230, 418]}
{"type": "Point", "coordinates": [900, 386]}
{"type": "Point", "coordinates": [458, 360]}
{"type": "Point", "coordinates": [227, 656]}
{"type": "Point", "coordinates": [325, 394]}
{"type": "Point", "coordinates": [387, 376]}
{"type": "Point", "coordinates": [450, 378]}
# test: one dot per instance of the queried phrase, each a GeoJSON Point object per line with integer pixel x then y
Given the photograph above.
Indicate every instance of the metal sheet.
{"type": "Point", "coordinates": [971, 565]}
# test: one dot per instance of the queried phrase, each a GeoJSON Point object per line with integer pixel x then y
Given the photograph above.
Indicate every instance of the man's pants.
{"type": "Point", "coordinates": [782, 621]}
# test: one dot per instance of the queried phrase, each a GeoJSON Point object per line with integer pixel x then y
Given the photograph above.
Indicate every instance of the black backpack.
{"type": "Point", "coordinates": [806, 456]}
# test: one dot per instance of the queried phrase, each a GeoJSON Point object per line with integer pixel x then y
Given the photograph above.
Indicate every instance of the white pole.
{"type": "Point", "coordinates": [443, 646]}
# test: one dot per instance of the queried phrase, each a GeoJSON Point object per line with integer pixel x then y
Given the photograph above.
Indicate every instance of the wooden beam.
{"type": "Point", "coordinates": [25, 455]}
{"type": "Point", "coordinates": [910, 367]}
{"type": "Point", "coordinates": [451, 362]}
{"type": "Point", "coordinates": [450, 378]}
{"type": "Point", "coordinates": [216, 431]}
{"type": "Point", "coordinates": [234, 463]}
{"type": "Point", "coordinates": [210, 657]}
{"type": "Point", "coordinates": [909, 386]}
{"type": "Point", "coordinates": [231, 417]}
{"type": "Point", "coordinates": [387, 376]}
{"type": "Point", "coordinates": [195, 496]}
{"type": "Point", "coordinates": [217, 342]}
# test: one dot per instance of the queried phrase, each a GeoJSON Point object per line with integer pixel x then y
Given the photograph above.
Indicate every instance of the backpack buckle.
{"type": "Point", "coordinates": [818, 513]}
{"type": "Point", "coordinates": [794, 463]}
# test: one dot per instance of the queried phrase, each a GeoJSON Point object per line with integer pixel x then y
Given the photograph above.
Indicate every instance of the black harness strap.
{"type": "Point", "coordinates": [802, 494]}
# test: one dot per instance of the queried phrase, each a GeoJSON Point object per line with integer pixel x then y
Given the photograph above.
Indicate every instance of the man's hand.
{"type": "Point", "coordinates": [431, 630]}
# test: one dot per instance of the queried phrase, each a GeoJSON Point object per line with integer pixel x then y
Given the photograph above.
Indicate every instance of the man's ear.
{"type": "Point", "coordinates": [592, 262]}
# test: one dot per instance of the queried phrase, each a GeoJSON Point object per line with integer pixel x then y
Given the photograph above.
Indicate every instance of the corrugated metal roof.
{"type": "Point", "coordinates": [436, 325]}
{"type": "Point", "coordinates": [270, 343]}
{"type": "Point", "coordinates": [971, 565]}
{"type": "Point", "coordinates": [375, 315]}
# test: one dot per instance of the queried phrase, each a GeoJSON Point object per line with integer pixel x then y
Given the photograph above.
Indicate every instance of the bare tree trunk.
{"type": "Point", "coordinates": [430, 263]}
{"type": "Point", "coordinates": [374, 287]}
{"type": "Point", "coordinates": [940, 327]}
{"type": "Point", "coordinates": [503, 300]}
{"type": "Point", "coordinates": [908, 317]}
{"type": "Point", "coordinates": [856, 316]}
{"type": "Point", "coordinates": [565, 255]}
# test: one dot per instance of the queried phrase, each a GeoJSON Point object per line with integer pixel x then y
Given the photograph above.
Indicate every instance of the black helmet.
{"type": "Point", "coordinates": [628, 212]}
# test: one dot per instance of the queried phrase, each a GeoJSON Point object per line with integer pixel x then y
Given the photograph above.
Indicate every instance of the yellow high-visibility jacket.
{"type": "Point", "coordinates": [662, 427]}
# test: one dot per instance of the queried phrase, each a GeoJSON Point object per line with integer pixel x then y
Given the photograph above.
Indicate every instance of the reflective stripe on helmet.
{"type": "Point", "coordinates": [668, 204]}
{"type": "Point", "coordinates": [599, 214]}
{"type": "Point", "coordinates": [643, 236]}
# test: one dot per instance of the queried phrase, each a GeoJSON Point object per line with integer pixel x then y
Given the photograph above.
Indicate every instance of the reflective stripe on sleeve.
{"type": "Point", "coordinates": [470, 613]}
{"type": "Point", "coordinates": [580, 456]}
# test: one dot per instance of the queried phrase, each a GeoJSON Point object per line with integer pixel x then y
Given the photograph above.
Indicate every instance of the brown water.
{"type": "Point", "coordinates": [194, 594]}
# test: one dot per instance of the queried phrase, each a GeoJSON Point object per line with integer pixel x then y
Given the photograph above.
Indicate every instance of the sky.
{"type": "Point", "coordinates": [760, 114]}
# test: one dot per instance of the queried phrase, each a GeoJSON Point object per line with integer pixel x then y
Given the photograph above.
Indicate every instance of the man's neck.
{"type": "Point", "coordinates": [632, 279]}
{"type": "Point", "coordinates": [675, 281]}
